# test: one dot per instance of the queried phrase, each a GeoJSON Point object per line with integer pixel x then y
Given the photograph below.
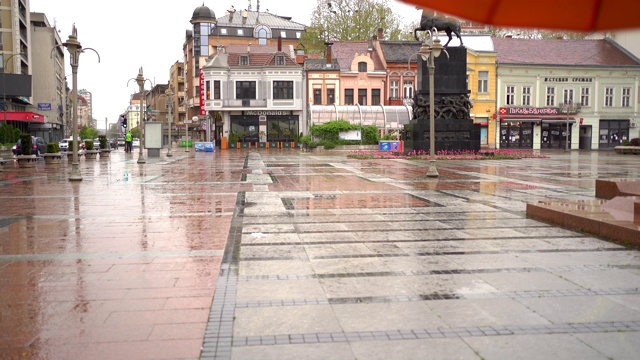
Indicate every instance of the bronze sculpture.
{"type": "Point", "coordinates": [428, 21]}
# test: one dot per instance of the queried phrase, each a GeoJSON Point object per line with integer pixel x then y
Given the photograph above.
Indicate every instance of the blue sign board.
{"type": "Point", "coordinates": [44, 106]}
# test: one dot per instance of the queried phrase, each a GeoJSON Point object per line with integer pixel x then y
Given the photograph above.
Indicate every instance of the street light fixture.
{"type": "Point", "coordinates": [75, 49]}
{"type": "Point", "coordinates": [4, 86]}
{"type": "Point", "coordinates": [168, 93]}
{"type": "Point", "coordinates": [140, 81]}
{"type": "Point", "coordinates": [431, 48]}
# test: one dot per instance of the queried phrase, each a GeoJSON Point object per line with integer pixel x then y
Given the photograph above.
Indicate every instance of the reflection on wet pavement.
{"type": "Point", "coordinates": [245, 254]}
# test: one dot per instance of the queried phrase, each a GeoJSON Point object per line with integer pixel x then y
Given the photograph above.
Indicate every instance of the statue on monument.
{"type": "Point", "coordinates": [428, 20]}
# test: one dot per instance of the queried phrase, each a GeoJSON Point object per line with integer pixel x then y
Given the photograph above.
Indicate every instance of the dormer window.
{"type": "Point", "coordinates": [244, 60]}
{"type": "Point", "coordinates": [362, 66]}
{"type": "Point", "coordinates": [279, 59]}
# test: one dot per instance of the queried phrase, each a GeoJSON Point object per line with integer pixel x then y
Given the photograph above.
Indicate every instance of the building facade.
{"type": "Point", "coordinates": [257, 93]}
{"type": "Point", "coordinates": [565, 94]}
{"type": "Point", "coordinates": [49, 88]}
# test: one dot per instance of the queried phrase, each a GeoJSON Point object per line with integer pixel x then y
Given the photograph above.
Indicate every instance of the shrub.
{"type": "Point", "coordinates": [104, 145]}
{"type": "Point", "coordinates": [634, 142]}
{"type": "Point", "coordinates": [8, 134]}
{"type": "Point", "coordinates": [233, 137]}
{"type": "Point", "coordinates": [26, 144]}
{"type": "Point", "coordinates": [53, 148]}
{"type": "Point", "coordinates": [72, 146]}
{"type": "Point", "coordinates": [88, 144]}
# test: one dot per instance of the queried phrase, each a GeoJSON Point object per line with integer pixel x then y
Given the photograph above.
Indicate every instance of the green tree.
{"type": "Point", "coordinates": [350, 20]}
{"type": "Point", "coordinates": [88, 133]}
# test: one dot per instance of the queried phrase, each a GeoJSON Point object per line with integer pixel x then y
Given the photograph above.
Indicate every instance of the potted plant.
{"type": "Point", "coordinates": [53, 155]}
{"type": "Point", "coordinates": [26, 157]}
{"type": "Point", "coordinates": [233, 140]}
{"type": "Point", "coordinates": [90, 153]}
{"type": "Point", "coordinates": [287, 138]}
{"type": "Point", "coordinates": [105, 149]}
{"type": "Point", "coordinates": [273, 137]}
{"type": "Point", "coordinates": [73, 145]}
{"type": "Point", "coordinates": [242, 135]}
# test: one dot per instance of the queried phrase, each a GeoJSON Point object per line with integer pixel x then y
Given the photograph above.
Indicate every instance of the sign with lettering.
{"type": "Point", "coordinates": [568, 79]}
{"type": "Point", "coordinates": [267, 112]}
{"type": "Point", "coordinates": [529, 111]}
{"type": "Point", "coordinates": [44, 106]}
{"type": "Point", "coordinates": [202, 110]}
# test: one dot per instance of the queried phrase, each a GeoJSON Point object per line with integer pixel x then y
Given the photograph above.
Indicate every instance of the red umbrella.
{"type": "Point", "coordinates": [570, 15]}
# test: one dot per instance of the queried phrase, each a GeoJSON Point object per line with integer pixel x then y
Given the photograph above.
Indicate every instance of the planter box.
{"type": "Point", "coordinates": [52, 158]}
{"type": "Point", "coordinates": [273, 144]}
{"type": "Point", "coordinates": [262, 145]}
{"type": "Point", "coordinates": [232, 145]}
{"type": "Point", "coordinates": [245, 145]}
{"type": "Point", "coordinates": [627, 150]}
{"type": "Point", "coordinates": [91, 154]}
{"type": "Point", "coordinates": [27, 161]}
{"type": "Point", "coordinates": [286, 144]}
{"type": "Point", "coordinates": [105, 153]}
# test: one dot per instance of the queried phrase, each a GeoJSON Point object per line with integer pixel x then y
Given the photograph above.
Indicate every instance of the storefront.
{"type": "Point", "coordinates": [534, 128]}
{"type": "Point", "coordinates": [613, 133]}
{"type": "Point", "coordinates": [265, 125]}
{"type": "Point", "coordinates": [516, 134]}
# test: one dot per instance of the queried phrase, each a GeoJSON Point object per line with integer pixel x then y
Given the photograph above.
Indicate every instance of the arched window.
{"type": "Point", "coordinates": [262, 33]}
{"type": "Point", "coordinates": [362, 66]}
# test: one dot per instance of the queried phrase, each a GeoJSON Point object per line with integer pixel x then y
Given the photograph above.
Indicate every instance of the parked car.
{"type": "Point", "coordinates": [39, 146]}
{"type": "Point", "coordinates": [135, 142]}
{"type": "Point", "coordinates": [120, 142]}
{"type": "Point", "coordinates": [64, 144]}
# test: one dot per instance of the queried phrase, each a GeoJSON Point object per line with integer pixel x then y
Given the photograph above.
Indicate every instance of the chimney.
{"type": "Point", "coordinates": [328, 52]}
{"type": "Point", "coordinates": [380, 33]}
{"type": "Point", "coordinates": [279, 43]}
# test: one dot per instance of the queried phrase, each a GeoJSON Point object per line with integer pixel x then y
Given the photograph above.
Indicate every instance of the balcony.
{"type": "Point", "coordinates": [244, 103]}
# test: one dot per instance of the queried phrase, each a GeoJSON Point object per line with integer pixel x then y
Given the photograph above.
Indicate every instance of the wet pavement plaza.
{"type": "Point", "coordinates": [278, 254]}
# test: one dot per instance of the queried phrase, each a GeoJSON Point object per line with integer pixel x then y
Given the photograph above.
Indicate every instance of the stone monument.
{"type": "Point", "coordinates": [454, 128]}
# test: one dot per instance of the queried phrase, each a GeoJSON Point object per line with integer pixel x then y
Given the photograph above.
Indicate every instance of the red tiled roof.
{"type": "Point", "coordinates": [560, 52]}
{"type": "Point", "coordinates": [345, 51]}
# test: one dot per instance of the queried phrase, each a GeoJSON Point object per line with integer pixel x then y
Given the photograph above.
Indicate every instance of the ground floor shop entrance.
{"type": "Point", "coordinates": [516, 135]}
{"type": "Point", "coordinates": [555, 135]}
{"type": "Point", "coordinates": [613, 133]}
{"type": "Point", "coordinates": [265, 126]}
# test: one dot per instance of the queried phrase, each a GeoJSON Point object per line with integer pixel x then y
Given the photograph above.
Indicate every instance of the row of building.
{"type": "Point", "coordinates": [247, 72]}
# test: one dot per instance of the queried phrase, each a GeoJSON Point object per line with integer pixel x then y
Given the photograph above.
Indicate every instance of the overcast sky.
{"type": "Point", "coordinates": [129, 34]}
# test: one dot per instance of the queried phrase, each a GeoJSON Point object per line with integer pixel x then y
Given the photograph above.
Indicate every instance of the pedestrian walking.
{"type": "Point", "coordinates": [127, 143]}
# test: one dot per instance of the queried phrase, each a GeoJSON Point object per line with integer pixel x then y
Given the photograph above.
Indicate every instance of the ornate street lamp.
{"type": "Point", "coordinates": [431, 49]}
{"type": "Point", "coordinates": [168, 93]}
{"type": "Point", "coordinates": [75, 49]}
{"type": "Point", "coordinates": [140, 81]}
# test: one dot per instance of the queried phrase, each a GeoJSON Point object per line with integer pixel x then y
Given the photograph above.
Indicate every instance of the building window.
{"type": "Point", "coordinates": [362, 66]}
{"type": "Point", "coordinates": [626, 97]}
{"type": "Point", "coordinates": [348, 96]}
{"type": "Point", "coordinates": [331, 96]}
{"type": "Point", "coordinates": [240, 32]}
{"type": "Point", "coordinates": [262, 33]}
{"type": "Point", "coordinates": [283, 90]}
{"type": "Point", "coordinates": [216, 90]}
{"type": "Point", "coordinates": [551, 96]}
{"type": "Point", "coordinates": [483, 81]}
{"type": "Point", "coordinates": [244, 60]}
{"type": "Point", "coordinates": [362, 96]}
{"type": "Point", "coordinates": [223, 31]}
{"type": "Point", "coordinates": [567, 97]}
{"type": "Point", "coordinates": [283, 34]}
{"type": "Point", "coordinates": [207, 86]}
{"type": "Point", "coordinates": [584, 96]}
{"type": "Point", "coordinates": [526, 96]}
{"type": "Point", "coordinates": [395, 89]}
{"type": "Point", "coordinates": [245, 90]}
{"type": "Point", "coordinates": [511, 95]}
{"type": "Point", "coordinates": [317, 96]}
{"type": "Point", "coordinates": [298, 34]}
{"type": "Point", "coordinates": [408, 89]}
{"type": "Point", "coordinates": [375, 96]}
{"type": "Point", "coordinates": [279, 60]}
{"type": "Point", "coordinates": [608, 97]}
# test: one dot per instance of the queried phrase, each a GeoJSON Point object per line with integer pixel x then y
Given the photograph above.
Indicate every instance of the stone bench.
{"type": "Point", "coordinates": [627, 150]}
{"type": "Point", "coordinates": [609, 189]}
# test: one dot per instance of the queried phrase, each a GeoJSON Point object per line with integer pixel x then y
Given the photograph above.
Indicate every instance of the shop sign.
{"type": "Point", "coordinates": [44, 106]}
{"type": "Point", "coordinates": [529, 111]}
{"type": "Point", "coordinates": [267, 112]}
{"type": "Point", "coordinates": [202, 110]}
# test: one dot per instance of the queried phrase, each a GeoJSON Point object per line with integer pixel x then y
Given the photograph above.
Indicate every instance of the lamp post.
{"type": "Point", "coordinates": [4, 86]}
{"type": "Point", "coordinates": [168, 93]}
{"type": "Point", "coordinates": [431, 49]}
{"type": "Point", "coordinates": [75, 49]}
{"type": "Point", "coordinates": [140, 81]}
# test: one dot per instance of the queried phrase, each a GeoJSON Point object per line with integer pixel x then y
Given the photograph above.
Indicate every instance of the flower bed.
{"type": "Point", "coordinates": [447, 154]}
